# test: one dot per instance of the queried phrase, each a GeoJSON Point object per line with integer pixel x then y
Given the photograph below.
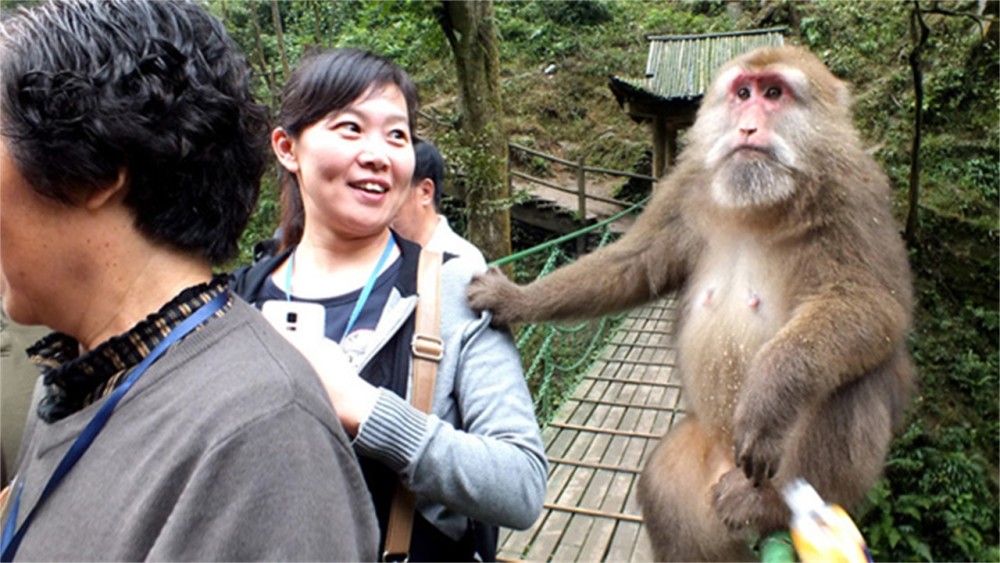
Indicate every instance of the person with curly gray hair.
{"type": "Point", "coordinates": [170, 422]}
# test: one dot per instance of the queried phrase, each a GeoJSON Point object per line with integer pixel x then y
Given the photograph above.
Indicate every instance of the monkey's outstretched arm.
{"type": "Point", "coordinates": [834, 338]}
{"type": "Point", "coordinates": [653, 258]}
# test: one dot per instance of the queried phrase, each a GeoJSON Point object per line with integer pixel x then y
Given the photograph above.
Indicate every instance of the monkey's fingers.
{"type": "Point", "coordinates": [757, 470]}
{"type": "Point", "coordinates": [482, 290]}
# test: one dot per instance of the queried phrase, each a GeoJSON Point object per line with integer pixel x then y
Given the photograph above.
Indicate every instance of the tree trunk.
{"type": "Point", "coordinates": [317, 24]}
{"type": "Point", "coordinates": [920, 32]}
{"type": "Point", "coordinates": [265, 70]}
{"type": "Point", "coordinates": [279, 36]}
{"type": "Point", "coordinates": [470, 27]}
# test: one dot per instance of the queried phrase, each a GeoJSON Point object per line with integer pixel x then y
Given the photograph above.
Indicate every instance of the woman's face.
{"type": "Point", "coordinates": [37, 242]}
{"type": "Point", "coordinates": [354, 165]}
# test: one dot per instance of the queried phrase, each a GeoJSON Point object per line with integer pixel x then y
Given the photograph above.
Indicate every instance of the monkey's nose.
{"type": "Point", "coordinates": [747, 131]}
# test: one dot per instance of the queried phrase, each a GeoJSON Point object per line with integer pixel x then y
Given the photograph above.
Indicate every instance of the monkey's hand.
{"type": "Point", "coordinates": [759, 427]}
{"type": "Point", "coordinates": [492, 290]}
{"type": "Point", "coordinates": [740, 504]}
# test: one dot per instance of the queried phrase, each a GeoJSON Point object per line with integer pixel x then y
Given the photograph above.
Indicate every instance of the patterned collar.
{"type": "Point", "coordinates": [73, 382]}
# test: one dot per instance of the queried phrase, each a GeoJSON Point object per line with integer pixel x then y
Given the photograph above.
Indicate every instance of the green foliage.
{"type": "Point", "coordinates": [955, 338]}
{"type": "Point", "coordinates": [938, 498]}
{"type": "Point", "coordinates": [930, 505]}
{"type": "Point", "coordinates": [607, 151]}
{"type": "Point", "coordinates": [571, 14]}
{"type": "Point", "coordinates": [847, 36]}
{"type": "Point", "coordinates": [962, 179]}
{"type": "Point", "coordinates": [406, 32]}
{"type": "Point", "coordinates": [526, 162]}
{"type": "Point", "coordinates": [527, 24]}
{"type": "Point", "coordinates": [670, 19]}
{"type": "Point", "coordinates": [263, 223]}
{"type": "Point", "coordinates": [483, 173]}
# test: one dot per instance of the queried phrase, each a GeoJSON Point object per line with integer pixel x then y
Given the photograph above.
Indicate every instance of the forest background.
{"type": "Point", "coordinates": [939, 498]}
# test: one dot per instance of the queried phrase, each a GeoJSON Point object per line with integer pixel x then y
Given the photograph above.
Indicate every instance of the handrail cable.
{"type": "Point", "coordinates": [570, 350]}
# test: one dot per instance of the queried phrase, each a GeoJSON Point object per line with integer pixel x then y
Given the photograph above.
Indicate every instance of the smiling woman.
{"type": "Point", "coordinates": [476, 461]}
{"type": "Point", "coordinates": [352, 167]}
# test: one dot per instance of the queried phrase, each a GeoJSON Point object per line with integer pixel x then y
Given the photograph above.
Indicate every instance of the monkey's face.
{"type": "Point", "coordinates": [748, 130]}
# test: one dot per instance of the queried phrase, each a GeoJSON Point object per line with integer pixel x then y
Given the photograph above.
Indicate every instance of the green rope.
{"type": "Point", "coordinates": [568, 349]}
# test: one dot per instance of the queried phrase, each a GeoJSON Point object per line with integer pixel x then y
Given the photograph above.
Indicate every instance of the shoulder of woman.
{"type": "Point", "coordinates": [247, 280]}
{"type": "Point", "coordinates": [456, 273]}
{"type": "Point", "coordinates": [458, 268]}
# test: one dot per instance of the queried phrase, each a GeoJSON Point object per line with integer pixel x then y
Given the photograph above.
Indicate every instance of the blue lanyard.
{"type": "Point", "coordinates": [365, 292]}
{"type": "Point", "coordinates": [11, 540]}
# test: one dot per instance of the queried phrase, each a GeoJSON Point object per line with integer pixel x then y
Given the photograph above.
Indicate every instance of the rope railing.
{"type": "Point", "coordinates": [557, 355]}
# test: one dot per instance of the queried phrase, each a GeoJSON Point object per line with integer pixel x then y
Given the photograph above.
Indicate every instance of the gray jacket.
{"type": "Point", "coordinates": [226, 449]}
{"type": "Point", "coordinates": [479, 454]}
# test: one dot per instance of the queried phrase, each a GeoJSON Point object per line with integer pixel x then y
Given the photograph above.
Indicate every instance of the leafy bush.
{"type": "Point", "coordinates": [930, 505]}
{"type": "Point", "coordinates": [571, 14]}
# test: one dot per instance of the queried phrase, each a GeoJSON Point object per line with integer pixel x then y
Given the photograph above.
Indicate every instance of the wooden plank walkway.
{"type": "Point", "coordinates": [597, 445]}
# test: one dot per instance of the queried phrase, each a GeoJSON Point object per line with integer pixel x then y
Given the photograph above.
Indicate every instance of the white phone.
{"type": "Point", "coordinates": [295, 319]}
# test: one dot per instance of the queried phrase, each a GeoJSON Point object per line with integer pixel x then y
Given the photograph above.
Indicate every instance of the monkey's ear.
{"type": "Point", "coordinates": [843, 92]}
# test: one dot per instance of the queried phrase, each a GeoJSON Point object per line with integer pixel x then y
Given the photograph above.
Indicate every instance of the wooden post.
{"type": "Point", "coordinates": [660, 142]}
{"type": "Point", "coordinates": [581, 190]}
{"type": "Point", "coordinates": [510, 179]}
{"type": "Point", "coordinates": [671, 150]}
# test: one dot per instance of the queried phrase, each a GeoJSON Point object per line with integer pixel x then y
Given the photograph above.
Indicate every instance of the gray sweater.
{"type": "Point", "coordinates": [226, 449]}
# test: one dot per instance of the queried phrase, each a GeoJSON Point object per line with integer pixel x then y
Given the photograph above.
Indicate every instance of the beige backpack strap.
{"type": "Point", "coordinates": [427, 345]}
{"type": "Point", "coordinates": [427, 352]}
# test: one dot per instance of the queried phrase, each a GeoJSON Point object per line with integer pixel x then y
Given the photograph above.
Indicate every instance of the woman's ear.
{"type": "Point", "coordinates": [115, 191]}
{"type": "Point", "coordinates": [284, 148]}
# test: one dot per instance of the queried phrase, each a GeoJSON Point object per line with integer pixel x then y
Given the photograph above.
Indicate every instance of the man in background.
{"type": "Point", "coordinates": [420, 220]}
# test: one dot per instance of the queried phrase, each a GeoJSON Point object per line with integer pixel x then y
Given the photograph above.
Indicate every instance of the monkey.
{"type": "Point", "coordinates": [775, 229]}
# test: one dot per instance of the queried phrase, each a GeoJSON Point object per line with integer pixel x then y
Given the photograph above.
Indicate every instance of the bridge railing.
{"type": "Point", "coordinates": [581, 170]}
{"type": "Point", "coordinates": [556, 356]}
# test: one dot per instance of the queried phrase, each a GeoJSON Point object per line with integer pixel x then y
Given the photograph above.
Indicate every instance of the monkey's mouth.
{"type": "Point", "coordinates": [752, 149]}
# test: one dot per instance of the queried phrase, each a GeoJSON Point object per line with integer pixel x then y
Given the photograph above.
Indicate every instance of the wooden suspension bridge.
{"type": "Point", "coordinates": [597, 445]}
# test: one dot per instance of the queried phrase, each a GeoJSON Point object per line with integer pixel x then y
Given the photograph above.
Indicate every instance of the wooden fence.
{"type": "Point", "coordinates": [581, 169]}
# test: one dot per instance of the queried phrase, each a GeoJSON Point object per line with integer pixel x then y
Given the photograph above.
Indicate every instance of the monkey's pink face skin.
{"type": "Point", "coordinates": [755, 100]}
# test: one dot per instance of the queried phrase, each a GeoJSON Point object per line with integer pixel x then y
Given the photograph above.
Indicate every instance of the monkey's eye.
{"type": "Point", "coordinates": [743, 93]}
{"type": "Point", "coordinates": [773, 93]}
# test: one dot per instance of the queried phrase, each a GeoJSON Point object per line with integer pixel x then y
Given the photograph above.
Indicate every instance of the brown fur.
{"type": "Point", "coordinates": [809, 382]}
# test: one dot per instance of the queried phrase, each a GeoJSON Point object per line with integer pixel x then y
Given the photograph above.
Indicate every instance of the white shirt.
{"type": "Point", "coordinates": [446, 240]}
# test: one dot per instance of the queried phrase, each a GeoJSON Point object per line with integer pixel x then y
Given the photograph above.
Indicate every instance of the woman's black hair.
{"type": "Point", "coordinates": [156, 89]}
{"type": "Point", "coordinates": [323, 83]}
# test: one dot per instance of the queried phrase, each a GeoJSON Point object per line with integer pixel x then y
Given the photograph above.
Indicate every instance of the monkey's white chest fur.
{"type": "Point", "coordinates": [731, 309]}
